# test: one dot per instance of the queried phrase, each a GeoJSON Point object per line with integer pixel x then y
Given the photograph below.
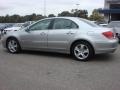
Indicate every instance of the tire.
{"type": "Point", "coordinates": [13, 45]}
{"type": "Point", "coordinates": [82, 51]}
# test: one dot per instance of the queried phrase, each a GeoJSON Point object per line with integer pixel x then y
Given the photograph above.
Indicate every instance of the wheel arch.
{"type": "Point", "coordinates": [11, 37]}
{"type": "Point", "coordinates": [79, 40]}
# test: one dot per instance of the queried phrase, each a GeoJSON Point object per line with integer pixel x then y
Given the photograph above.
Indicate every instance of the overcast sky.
{"type": "Point", "coordinates": [26, 7]}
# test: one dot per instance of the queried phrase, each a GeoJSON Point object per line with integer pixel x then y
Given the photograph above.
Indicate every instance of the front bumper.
{"type": "Point", "coordinates": [3, 40]}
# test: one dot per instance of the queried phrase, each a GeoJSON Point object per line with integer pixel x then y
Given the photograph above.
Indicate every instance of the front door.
{"type": "Point", "coordinates": [37, 35]}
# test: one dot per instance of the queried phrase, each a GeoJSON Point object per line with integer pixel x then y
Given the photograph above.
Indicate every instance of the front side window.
{"type": "Point", "coordinates": [42, 25]}
{"type": "Point", "coordinates": [64, 24]}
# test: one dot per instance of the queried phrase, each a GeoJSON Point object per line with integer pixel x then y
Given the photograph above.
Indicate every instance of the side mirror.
{"type": "Point", "coordinates": [27, 29]}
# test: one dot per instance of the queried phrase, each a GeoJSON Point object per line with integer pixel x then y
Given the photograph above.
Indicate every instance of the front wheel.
{"type": "Point", "coordinates": [82, 51]}
{"type": "Point", "coordinates": [13, 45]}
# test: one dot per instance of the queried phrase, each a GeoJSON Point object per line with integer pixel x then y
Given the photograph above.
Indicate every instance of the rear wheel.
{"type": "Point", "coordinates": [13, 45]}
{"type": "Point", "coordinates": [82, 50]}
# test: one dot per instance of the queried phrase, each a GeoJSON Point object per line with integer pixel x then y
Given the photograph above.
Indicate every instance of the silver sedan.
{"type": "Point", "coordinates": [76, 36]}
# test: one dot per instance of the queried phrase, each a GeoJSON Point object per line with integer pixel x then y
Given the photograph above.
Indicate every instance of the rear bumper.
{"type": "Point", "coordinates": [106, 47]}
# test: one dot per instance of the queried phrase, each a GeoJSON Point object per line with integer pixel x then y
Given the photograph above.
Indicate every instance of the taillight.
{"type": "Point", "coordinates": [109, 35]}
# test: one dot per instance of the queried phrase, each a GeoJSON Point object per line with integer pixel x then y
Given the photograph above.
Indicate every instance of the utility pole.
{"type": "Point", "coordinates": [77, 8]}
{"type": "Point", "coordinates": [44, 7]}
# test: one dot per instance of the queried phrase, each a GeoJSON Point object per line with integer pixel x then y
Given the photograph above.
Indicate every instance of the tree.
{"type": "Point", "coordinates": [96, 16]}
{"type": "Point", "coordinates": [6, 19]}
{"type": "Point", "coordinates": [51, 15]}
{"type": "Point", "coordinates": [1, 19]}
{"type": "Point", "coordinates": [38, 17]}
{"type": "Point", "coordinates": [33, 17]}
{"type": "Point", "coordinates": [80, 13]}
{"type": "Point", "coordinates": [65, 13]}
{"type": "Point", "coordinates": [14, 18]}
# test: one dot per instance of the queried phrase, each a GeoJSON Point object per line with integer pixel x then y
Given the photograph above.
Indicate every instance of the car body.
{"type": "Point", "coordinates": [14, 27]}
{"type": "Point", "coordinates": [3, 26]}
{"type": "Point", "coordinates": [94, 22]}
{"type": "Point", "coordinates": [0, 33]}
{"type": "Point", "coordinates": [104, 24]}
{"type": "Point", "coordinates": [18, 26]}
{"type": "Point", "coordinates": [70, 35]}
{"type": "Point", "coordinates": [116, 26]}
{"type": "Point", "coordinates": [27, 23]}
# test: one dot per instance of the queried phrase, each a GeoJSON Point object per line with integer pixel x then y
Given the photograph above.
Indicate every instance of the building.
{"type": "Point", "coordinates": [111, 10]}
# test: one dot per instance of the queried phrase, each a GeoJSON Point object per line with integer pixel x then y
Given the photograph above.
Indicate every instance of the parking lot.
{"type": "Point", "coordinates": [31, 70]}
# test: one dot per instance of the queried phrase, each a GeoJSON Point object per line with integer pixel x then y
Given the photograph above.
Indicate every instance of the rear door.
{"type": "Point", "coordinates": [62, 32]}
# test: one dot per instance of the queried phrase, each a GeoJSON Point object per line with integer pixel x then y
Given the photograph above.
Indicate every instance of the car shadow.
{"type": "Point", "coordinates": [47, 54]}
{"type": "Point", "coordinates": [103, 58]}
{"type": "Point", "coordinates": [96, 58]}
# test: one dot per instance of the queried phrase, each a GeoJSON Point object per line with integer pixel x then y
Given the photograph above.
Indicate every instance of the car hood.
{"type": "Point", "coordinates": [12, 28]}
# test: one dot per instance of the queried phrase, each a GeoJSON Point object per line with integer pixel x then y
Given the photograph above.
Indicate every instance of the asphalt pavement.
{"type": "Point", "coordinates": [32, 70]}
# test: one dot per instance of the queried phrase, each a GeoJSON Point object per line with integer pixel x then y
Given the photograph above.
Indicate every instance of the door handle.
{"type": "Point", "coordinates": [42, 33]}
{"type": "Point", "coordinates": [70, 33]}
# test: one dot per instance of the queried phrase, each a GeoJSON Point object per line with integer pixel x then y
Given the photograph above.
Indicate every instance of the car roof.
{"type": "Point", "coordinates": [64, 17]}
{"type": "Point", "coordinates": [71, 18]}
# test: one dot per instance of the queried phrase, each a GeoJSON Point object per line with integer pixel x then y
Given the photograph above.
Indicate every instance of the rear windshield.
{"type": "Point", "coordinates": [86, 24]}
{"type": "Point", "coordinates": [90, 23]}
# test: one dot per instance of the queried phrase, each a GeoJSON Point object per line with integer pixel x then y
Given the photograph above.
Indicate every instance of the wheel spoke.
{"type": "Point", "coordinates": [81, 51]}
{"type": "Point", "coordinates": [86, 51]}
{"type": "Point", "coordinates": [15, 46]}
{"type": "Point", "coordinates": [82, 46]}
{"type": "Point", "coordinates": [83, 55]}
{"type": "Point", "coordinates": [12, 46]}
{"type": "Point", "coordinates": [78, 54]}
{"type": "Point", "coordinates": [77, 49]}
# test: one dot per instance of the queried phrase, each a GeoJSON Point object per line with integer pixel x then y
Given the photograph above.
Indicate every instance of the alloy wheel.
{"type": "Point", "coordinates": [81, 51]}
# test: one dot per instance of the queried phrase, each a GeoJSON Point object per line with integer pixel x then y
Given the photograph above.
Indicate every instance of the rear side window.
{"type": "Point", "coordinates": [64, 24]}
{"type": "Point", "coordinates": [74, 25]}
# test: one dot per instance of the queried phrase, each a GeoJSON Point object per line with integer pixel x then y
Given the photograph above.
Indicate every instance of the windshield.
{"type": "Point", "coordinates": [27, 24]}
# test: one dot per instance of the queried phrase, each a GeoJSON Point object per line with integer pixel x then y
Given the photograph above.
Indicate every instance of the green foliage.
{"type": "Point", "coordinates": [33, 17]}
{"type": "Point", "coordinates": [65, 13]}
{"type": "Point", "coordinates": [51, 15]}
{"type": "Point", "coordinates": [19, 19]}
{"type": "Point", "coordinates": [80, 13]}
{"type": "Point", "coordinates": [75, 13]}
{"type": "Point", "coordinates": [96, 16]}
